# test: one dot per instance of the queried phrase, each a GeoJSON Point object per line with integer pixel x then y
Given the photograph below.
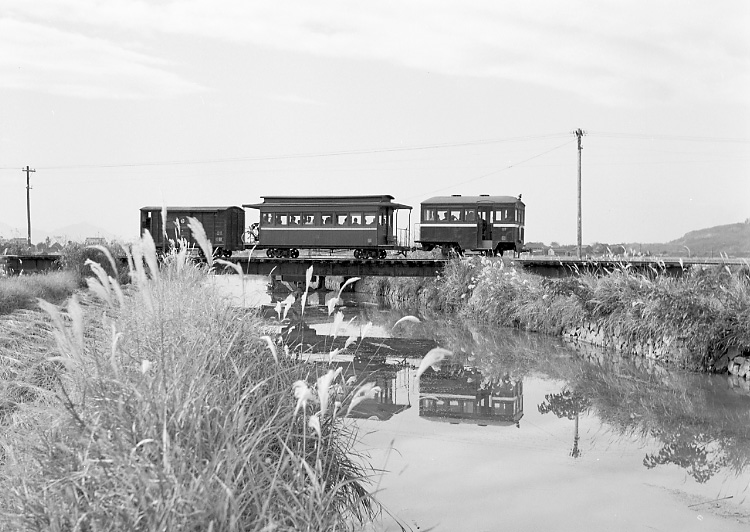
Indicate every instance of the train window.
{"type": "Point", "coordinates": [280, 219]}
{"type": "Point", "coordinates": [470, 215]}
{"type": "Point", "coordinates": [341, 219]}
{"type": "Point", "coordinates": [267, 218]}
{"type": "Point", "coordinates": [370, 219]}
{"type": "Point", "coordinates": [295, 219]}
{"type": "Point", "coordinates": [454, 215]}
{"type": "Point", "coordinates": [515, 215]}
{"type": "Point", "coordinates": [326, 218]}
{"type": "Point", "coordinates": [308, 219]}
{"type": "Point", "coordinates": [442, 215]}
{"type": "Point", "coordinates": [356, 218]}
{"type": "Point", "coordinates": [383, 219]}
{"type": "Point", "coordinates": [428, 215]}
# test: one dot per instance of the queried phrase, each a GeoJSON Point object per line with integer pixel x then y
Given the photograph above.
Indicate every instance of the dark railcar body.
{"type": "Point", "coordinates": [488, 224]}
{"type": "Point", "coordinates": [224, 226]}
{"type": "Point", "coordinates": [363, 223]}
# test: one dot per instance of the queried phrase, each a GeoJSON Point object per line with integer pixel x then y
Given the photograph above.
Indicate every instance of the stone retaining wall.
{"type": "Point", "coordinates": [667, 349]}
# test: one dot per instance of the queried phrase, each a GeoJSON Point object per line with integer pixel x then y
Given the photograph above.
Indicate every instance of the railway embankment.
{"type": "Point", "coordinates": [698, 321]}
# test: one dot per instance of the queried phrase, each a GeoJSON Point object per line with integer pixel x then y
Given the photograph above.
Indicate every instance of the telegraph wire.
{"type": "Point", "coordinates": [494, 171]}
{"type": "Point", "coordinates": [681, 138]}
{"type": "Point", "coordinates": [310, 155]}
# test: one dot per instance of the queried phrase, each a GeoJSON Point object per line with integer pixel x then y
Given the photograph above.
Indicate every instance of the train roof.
{"type": "Point", "coordinates": [191, 209]}
{"type": "Point", "coordinates": [464, 200]}
{"type": "Point", "coordinates": [328, 201]}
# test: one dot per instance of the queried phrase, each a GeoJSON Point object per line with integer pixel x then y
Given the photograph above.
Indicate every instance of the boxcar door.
{"type": "Point", "coordinates": [484, 227]}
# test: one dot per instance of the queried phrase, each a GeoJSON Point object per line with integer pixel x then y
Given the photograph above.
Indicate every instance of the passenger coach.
{"type": "Point", "coordinates": [488, 224]}
{"type": "Point", "coordinates": [366, 224]}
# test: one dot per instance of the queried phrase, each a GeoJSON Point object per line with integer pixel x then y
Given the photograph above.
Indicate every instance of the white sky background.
{"type": "Point", "coordinates": [120, 104]}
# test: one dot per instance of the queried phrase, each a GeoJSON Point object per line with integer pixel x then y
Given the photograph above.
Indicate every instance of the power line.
{"type": "Point", "coordinates": [684, 138]}
{"type": "Point", "coordinates": [310, 155]}
{"type": "Point", "coordinates": [493, 172]}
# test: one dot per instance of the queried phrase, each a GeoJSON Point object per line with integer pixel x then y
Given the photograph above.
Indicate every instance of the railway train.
{"type": "Point", "coordinates": [366, 225]}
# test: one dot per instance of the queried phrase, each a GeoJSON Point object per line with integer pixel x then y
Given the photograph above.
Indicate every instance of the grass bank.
{"type": "Point", "coordinates": [160, 407]}
{"type": "Point", "coordinates": [22, 292]}
{"type": "Point", "coordinates": [697, 320]}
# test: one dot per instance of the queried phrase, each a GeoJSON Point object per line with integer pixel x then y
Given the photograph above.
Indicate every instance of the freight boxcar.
{"type": "Point", "coordinates": [224, 227]}
{"type": "Point", "coordinates": [365, 224]}
{"type": "Point", "coordinates": [487, 224]}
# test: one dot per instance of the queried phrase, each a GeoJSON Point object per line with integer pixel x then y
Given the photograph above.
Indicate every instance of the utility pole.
{"type": "Point", "coordinates": [579, 133]}
{"type": "Point", "coordinates": [28, 202]}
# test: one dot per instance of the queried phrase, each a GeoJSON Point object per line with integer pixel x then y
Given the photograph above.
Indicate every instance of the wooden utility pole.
{"type": "Point", "coordinates": [579, 133]}
{"type": "Point", "coordinates": [28, 202]}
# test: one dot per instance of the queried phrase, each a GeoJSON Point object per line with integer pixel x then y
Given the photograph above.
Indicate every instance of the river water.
{"type": "Point", "coordinates": [517, 431]}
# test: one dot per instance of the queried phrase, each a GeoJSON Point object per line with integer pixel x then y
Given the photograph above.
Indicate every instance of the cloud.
{"type": "Point", "coordinates": [36, 57]}
{"type": "Point", "coordinates": [607, 51]}
{"type": "Point", "coordinates": [294, 99]}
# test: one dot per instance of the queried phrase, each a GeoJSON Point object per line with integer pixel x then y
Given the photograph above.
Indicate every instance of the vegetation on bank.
{"type": "Point", "coordinates": [160, 407]}
{"type": "Point", "coordinates": [706, 310]}
{"type": "Point", "coordinates": [23, 291]}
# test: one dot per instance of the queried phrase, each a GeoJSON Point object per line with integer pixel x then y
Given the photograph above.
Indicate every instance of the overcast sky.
{"type": "Point", "coordinates": [119, 104]}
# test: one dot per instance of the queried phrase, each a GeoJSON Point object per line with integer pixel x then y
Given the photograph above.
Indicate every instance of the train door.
{"type": "Point", "coordinates": [484, 227]}
{"type": "Point", "coordinates": [385, 226]}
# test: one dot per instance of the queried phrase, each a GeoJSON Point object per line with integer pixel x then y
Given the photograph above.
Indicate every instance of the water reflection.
{"type": "Point", "coordinates": [604, 411]}
{"type": "Point", "coordinates": [462, 394]}
{"type": "Point", "coordinates": [570, 405]}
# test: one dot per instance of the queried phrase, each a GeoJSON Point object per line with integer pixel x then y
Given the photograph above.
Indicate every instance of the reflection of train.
{"type": "Point", "coordinates": [467, 397]}
{"type": "Point", "coordinates": [488, 224]}
{"type": "Point", "coordinates": [365, 224]}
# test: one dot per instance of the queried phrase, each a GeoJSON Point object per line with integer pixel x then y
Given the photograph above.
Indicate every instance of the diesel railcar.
{"type": "Point", "coordinates": [487, 224]}
{"type": "Point", "coordinates": [365, 224]}
{"type": "Point", "coordinates": [224, 227]}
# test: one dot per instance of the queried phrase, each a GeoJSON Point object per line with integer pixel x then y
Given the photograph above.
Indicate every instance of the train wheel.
{"type": "Point", "coordinates": [294, 253]}
{"type": "Point", "coordinates": [382, 254]}
{"type": "Point", "coordinates": [357, 254]}
{"type": "Point", "coordinates": [269, 253]}
{"type": "Point", "coordinates": [278, 253]}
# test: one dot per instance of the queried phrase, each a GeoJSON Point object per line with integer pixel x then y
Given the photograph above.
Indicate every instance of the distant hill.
{"type": "Point", "coordinates": [76, 233]}
{"type": "Point", "coordinates": [732, 239]}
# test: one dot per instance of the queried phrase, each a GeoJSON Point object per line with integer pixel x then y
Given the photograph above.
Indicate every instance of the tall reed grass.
{"type": "Point", "coordinates": [160, 407]}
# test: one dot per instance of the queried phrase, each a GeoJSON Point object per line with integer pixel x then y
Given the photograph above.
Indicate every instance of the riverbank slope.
{"type": "Point", "coordinates": [699, 320]}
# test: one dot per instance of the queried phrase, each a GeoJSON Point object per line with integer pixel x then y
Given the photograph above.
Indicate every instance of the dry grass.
{"type": "Point", "coordinates": [22, 292]}
{"type": "Point", "coordinates": [159, 407]}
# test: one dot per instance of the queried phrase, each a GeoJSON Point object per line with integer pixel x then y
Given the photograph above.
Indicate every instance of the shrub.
{"type": "Point", "coordinates": [74, 256]}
